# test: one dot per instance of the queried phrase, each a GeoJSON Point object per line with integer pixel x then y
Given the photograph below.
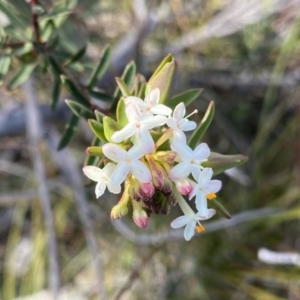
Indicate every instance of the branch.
{"type": "Point", "coordinates": [34, 133]}
{"type": "Point", "coordinates": [68, 166]}
{"type": "Point", "coordinates": [154, 239]}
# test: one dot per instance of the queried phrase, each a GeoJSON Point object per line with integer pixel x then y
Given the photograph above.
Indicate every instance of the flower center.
{"type": "Point", "coordinates": [128, 160]}
{"type": "Point", "coordinates": [211, 196]}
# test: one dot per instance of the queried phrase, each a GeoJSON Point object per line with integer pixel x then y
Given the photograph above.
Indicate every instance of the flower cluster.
{"type": "Point", "coordinates": [150, 155]}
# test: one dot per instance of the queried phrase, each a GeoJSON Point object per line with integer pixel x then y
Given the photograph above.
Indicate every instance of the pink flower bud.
{"type": "Point", "coordinates": [140, 216]}
{"type": "Point", "coordinates": [184, 186]}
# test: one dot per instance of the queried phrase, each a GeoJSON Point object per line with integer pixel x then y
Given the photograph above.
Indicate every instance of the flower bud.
{"type": "Point", "coordinates": [141, 191]}
{"type": "Point", "coordinates": [118, 211]}
{"type": "Point", "coordinates": [140, 216]}
{"type": "Point", "coordinates": [184, 186]}
{"type": "Point", "coordinates": [160, 204]}
{"type": "Point", "coordinates": [165, 156]}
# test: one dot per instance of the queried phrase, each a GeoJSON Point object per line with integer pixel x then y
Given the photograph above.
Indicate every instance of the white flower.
{"type": "Point", "coordinates": [191, 222]}
{"type": "Point", "coordinates": [190, 159]}
{"type": "Point", "coordinates": [179, 124]}
{"type": "Point", "coordinates": [127, 162]}
{"type": "Point", "coordinates": [139, 126]}
{"type": "Point", "coordinates": [103, 178]}
{"type": "Point", "coordinates": [205, 186]}
{"type": "Point", "coordinates": [150, 105]}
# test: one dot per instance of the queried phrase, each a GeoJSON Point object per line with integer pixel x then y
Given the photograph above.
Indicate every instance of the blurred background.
{"type": "Point", "coordinates": [245, 56]}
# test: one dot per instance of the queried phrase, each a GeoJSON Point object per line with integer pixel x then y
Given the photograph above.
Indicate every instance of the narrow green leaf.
{"type": "Point", "coordinates": [163, 78]}
{"type": "Point", "coordinates": [56, 93]}
{"type": "Point", "coordinates": [99, 115]}
{"type": "Point", "coordinates": [56, 14]}
{"type": "Point", "coordinates": [4, 66]}
{"type": "Point", "coordinates": [110, 126]}
{"type": "Point", "coordinates": [121, 114]}
{"type": "Point", "coordinates": [101, 68]}
{"type": "Point", "coordinates": [98, 129]}
{"type": "Point", "coordinates": [79, 110]}
{"type": "Point", "coordinates": [186, 97]}
{"type": "Point", "coordinates": [68, 133]}
{"type": "Point", "coordinates": [202, 127]}
{"type": "Point", "coordinates": [100, 96]}
{"type": "Point", "coordinates": [166, 60]}
{"type": "Point", "coordinates": [122, 86]}
{"type": "Point", "coordinates": [78, 94]}
{"type": "Point", "coordinates": [94, 151]}
{"type": "Point", "coordinates": [217, 205]}
{"type": "Point", "coordinates": [128, 78]}
{"type": "Point", "coordinates": [57, 69]}
{"type": "Point", "coordinates": [219, 163]}
{"type": "Point", "coordinates": [76, 57]}
{"type": "Point", "coordinates": [22, 75]}
{"type": "Point", "coordinates": [48, 30]}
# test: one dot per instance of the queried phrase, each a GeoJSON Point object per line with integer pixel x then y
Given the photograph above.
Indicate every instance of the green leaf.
{"type": "Point", "coordinates": [56, 93]}
{"type": "Point", "coordinates": [77, 93]}
{"type": "Point", "coordinates": [217, 205]}
{"type": "Point", "coordinates": [128, 78]}
{"type": "Point", "coordinates": [101, 68]}
{"type": "Point", "coordinates": [4, 66]}
{"type": "Point", "coordinates": [48, 31]}
{"type": "Point", "coordinates": [121, 114]}
{"type": "Point", "coordinates": [12, 14]}
{"type": "Point", "coordinates": [56, 14]}
{"type": "Point", "coordinates": [110, 126]}
{"type": "Point", "coordinates": [219, 163]}
{"type": "Point", "coordinates": [76, 57]}
{"type": "Point", "coordinates": [100, 96]}
{"type": "Point", "coordinates": [57, 69]}
{"type": "Point", "coordinates": [186, 97]}
{"type": "Point", "coordinates": [163, 77]}
{"type": "Point", "coordinates": [202, 127]}
{"type": "Point", "coordinates": [79, 110]}
{"type": "Point", "coordinates": [22, 75]}
{"type": "Point", "coordinates": [98, 129]}
{"type": "Point", "coordinates": [99, 115]}
{"type": "Point", "coordinates": [122, 86]}
{"type": "Point", "coordinates": [68, 133]}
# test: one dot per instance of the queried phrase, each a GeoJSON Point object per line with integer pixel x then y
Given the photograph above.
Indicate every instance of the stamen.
{"type": "Point", "coordinates": [211, 196]}
{"type": "Point", "coordinates": [200, 228]}
{"type": "Point", "coordinates": [194, 112]}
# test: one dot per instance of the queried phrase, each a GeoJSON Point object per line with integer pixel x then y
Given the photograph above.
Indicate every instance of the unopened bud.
{"type": "Point", "coordinates": [140, 216]}
{"type": "Point", "coordinates": [184, 186]}
{"type": "Point", "coordinates": [165, 156]}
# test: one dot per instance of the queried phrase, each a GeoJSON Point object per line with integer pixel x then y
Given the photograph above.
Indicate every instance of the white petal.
{"type": "Point", "coordinates": [93, 173]}
{"type": "Point", "coordinates": [194, 191]}
{"type": "Point", "coordinates": [196, 171]}
{"type": "Point", "coordinates": [184, 151]}
{"type": "Point", "coordinates": [115, 189]}
{"type": "Point", "coordinates": [140, 103]}
{"type": "Point", "coordinates": [202, 151]}
{"type": "Point", "coordinates": [182, 170]}
{"type": "Point", "coordinates": [108, 169]}
{"type": "Point", "coordinates": [146, 141]}
{"type": "Point", "coordinates": [189, 231]}
{"type": "Point", "coordinates": [100, 188]}
{"type": "Point", "coordinates": [171, 122]}
{"type": "Point", "coordinates": [204, 177]}
{"type": "Point", "coordinates": [187, 125]}
{"type": "Point", "coordinates": [140, 171]}
{"type": "Point", "coordinates": [114, 152]}
{"type": "Point", "coordinates": [161, 109]}
{"type": "Point", "coordinates": [120, 173]}
{"type": "Point", "coordinates": [201, 205]}
{"type": "Point", "coordinates": [152, 98]}
{"type": "Point", "coordinates": [128, 131]}
{"type": "Point", "coordinates": [136, 152]}
{"type": "Point", "coordinates": [179, 112]}
{"type": "Point", "coordinates": [133, 113]}
{"type": "Point", "coordinates": [213, 186]}
{"type": "Point", "coordinates": [180, 222]}
{"type": "Point", "coordinates": [154, 121]}
{"type": "Point", "coordinates": [211, 212]}
{"type": "Point", "coordinates": [180, 136]}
